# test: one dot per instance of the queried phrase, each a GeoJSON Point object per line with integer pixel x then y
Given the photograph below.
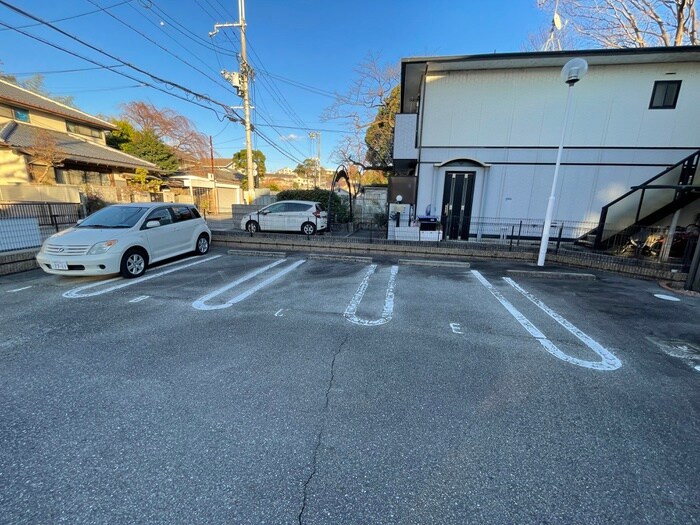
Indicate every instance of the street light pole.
{"type": "Point", "coordinates": [573, 71]}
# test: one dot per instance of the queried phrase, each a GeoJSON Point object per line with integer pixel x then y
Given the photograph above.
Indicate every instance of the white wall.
{"type": "Point", "coordinates": [526, 107]}
{"type": "Point", "coordinates": [511, 120]}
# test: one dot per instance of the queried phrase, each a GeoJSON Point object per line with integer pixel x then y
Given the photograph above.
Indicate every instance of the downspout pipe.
{"type": "Point", "coordinates": [421, 115]}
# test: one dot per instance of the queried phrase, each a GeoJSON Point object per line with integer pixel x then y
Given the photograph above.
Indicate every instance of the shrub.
{"type": "Point", "coordinates": [339, 211]}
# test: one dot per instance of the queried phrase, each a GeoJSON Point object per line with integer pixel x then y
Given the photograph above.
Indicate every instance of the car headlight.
{"type": "Point", "coordinates": [102, 247]}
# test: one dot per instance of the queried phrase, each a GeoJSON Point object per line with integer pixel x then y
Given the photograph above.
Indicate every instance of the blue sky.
{"type": "Point", "coordinates": [292, 44]}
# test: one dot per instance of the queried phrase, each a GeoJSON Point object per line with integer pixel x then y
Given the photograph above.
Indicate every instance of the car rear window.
{"type": "Point", "coordinates": [182, 213]}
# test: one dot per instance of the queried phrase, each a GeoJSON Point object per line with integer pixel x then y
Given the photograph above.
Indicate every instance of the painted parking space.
{"type": "Point", "coordinates": [370, 293]}
{"type": "Point", "coordinates": [607, 362]}
{"type": "Point", "coordinates": [117, 283]}
{"type": "Point", "coordinates": [204, 302]}
{"type": "Point", "coordinates": [387, 312]}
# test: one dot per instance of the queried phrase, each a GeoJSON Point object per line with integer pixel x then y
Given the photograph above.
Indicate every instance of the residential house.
{"type": "Point", "coordinates": [480, 134]}
{"type": "Point", "coordinates": [214, 186]}
{"type": "Point", "coordinates": [52, 152]}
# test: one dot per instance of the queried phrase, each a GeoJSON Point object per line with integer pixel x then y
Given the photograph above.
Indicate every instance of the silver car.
{"type": "Point", "coordinates": [290, 216]}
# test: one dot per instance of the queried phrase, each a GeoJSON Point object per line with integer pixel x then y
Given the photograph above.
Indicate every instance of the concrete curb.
{"type": "Point", "coordinates": [339, 257]}
{"type": "Point", "coordinates": [553, 275]}
{"type": "Point", "coordinates": [257, 253]}
{"type": "Point", "coordinates": [668, 286]}
{"type": "Point", "coordinates": [439, 264]}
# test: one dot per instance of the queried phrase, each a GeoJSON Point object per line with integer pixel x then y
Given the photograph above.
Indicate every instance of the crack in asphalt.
{"type": "Point", "coordinates": [319, 438]}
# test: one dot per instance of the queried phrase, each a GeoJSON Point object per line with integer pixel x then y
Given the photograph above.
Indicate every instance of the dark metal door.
{"type": "Point", "coordinates": [457, 196]}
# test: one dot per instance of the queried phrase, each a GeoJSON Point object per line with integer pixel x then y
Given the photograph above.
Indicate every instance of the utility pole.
{"type": "Point", "coordinates": [241, 81]}
{"type": "Point", "coordinates": [317, 135]}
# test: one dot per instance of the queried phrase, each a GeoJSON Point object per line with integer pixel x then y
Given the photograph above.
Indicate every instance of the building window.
{"type": "Point", "coordinates": [21, 114]}
{"type": "Point", "coordinates": [72, 127]}
{"type": "Point", "coordinates": [665, 94]}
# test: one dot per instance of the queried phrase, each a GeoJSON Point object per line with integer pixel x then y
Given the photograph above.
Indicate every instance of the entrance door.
{"type": "Point", "coordinates": [457, 204]}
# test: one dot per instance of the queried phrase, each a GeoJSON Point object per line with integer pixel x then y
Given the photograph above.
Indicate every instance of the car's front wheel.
{"type": "Point", "coordinates": [133, 263]}
{"type": "Point", "coordinates": [202, 246]}
{"type": "Point", "coordinates": [308, 228]}
{"type": "Point", "coordinates": [252, 227]}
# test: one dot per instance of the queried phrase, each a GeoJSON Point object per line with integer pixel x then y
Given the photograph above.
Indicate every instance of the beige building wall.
{"type": "Point", "coordinates": [39, 193]}
{"type": "Point", "coordinates": [55, 123]}
{"type": "Point", "coordinates": [13, 168]}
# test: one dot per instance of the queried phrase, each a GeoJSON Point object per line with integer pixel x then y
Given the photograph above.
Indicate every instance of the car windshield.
{"type": "Point", "coordinates": [114, 217]}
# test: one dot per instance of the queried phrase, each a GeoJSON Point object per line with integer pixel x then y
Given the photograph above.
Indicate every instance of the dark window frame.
{"type": "Point", "coordinates": [80, 129]}
{"type": "Point", "coordinates": [664, 84]}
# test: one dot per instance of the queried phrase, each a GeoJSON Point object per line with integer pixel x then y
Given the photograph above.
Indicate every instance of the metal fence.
{"type": "Point", "coordinates": [28, 225]}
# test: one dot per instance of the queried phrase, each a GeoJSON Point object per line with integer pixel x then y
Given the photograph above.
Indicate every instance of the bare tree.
{"type": "Point", "coordinates": [367, 107]}
{"type": "Point", "coordinates": [625, 23]}
{"type": "Point", "coordinates": [175, 130]}
{"type": "Point", "coordinates": [45, 152]}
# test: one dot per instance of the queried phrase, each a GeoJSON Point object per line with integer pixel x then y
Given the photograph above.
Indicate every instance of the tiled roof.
{"type": "Point", "coordinates": [16, 96]}
{"type": "Point", "coordinates": [23, 136]}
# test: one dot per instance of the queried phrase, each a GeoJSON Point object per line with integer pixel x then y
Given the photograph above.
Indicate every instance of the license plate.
{"type": "Point", "coordinates": [59, 265]}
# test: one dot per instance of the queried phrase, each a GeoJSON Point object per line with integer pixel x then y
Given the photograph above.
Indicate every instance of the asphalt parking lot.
{"type": "Point", "coordinates": [260, 390]}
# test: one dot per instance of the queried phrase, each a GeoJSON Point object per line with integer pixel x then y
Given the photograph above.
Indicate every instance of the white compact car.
{"type": "Point", "coordinates": [287, 216]}
{"type": "Point", "coordinates": [125, 239]}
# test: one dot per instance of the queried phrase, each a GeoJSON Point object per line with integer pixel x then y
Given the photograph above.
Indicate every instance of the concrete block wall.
{"type": "Point", "coordinates": [18, 261]}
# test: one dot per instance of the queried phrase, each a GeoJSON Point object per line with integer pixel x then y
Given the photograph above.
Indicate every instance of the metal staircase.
{"type": "Point", "coordinates": [649, 203]}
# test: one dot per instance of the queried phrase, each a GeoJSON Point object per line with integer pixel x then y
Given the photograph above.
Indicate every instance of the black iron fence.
{"type": "Point", "coordinates": [28, 225]}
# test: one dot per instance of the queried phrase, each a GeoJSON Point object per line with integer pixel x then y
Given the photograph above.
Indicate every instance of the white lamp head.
{"type": "Point", "coordinates": [574, 70]}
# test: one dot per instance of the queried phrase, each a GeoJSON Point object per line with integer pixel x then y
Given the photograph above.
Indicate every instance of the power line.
{"type": "Point", "coordinates": [116, 88]}
{"type": "Point", "coordinates": [72, 17]}
{"type": "Point", "coordinates": [186, 32]}
{"type": "Point", "coordinates": [199, 96]}
{"type": "Point", "coordinates": [215, 80]}
{"type": "Point", "coordinates": [111, 68]}
{"type": "Point", "coordinates": [58, 71]}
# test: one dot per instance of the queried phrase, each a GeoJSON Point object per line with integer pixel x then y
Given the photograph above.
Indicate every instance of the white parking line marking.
{"type": "Point", "coordinates": [666, 297]}
{"type": "Point", "coordinates": [200, 304]}
{"type": "Point", "coordinates": [18, 289]}
{"type": "Point", "coordinates": [139, 299]}
{"type": "Point", "coordinates": [456, 328]}
{"type": "Point", "coordinates": [77, 292]}
{"type": "Point", "coordinates": [351, 310]}
{"type": "Point", "coordinates": [609, 361]}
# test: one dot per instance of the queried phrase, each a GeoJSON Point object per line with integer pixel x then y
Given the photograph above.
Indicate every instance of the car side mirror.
{"type": "Point", "coordinates": [79, 221]}
{"type": "Point", "coordinates": [264, 212]}
{"type": "Point", "coordinates": [153, 224]}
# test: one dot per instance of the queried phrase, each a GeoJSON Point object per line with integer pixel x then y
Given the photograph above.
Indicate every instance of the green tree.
{"type": "Point", "coordinates": [368, 110]}
{"type": "Point", "coordinates": [141, 181]}
{"type": "Point", "coordinates": [339, 212]}
{"type": "Point", "coordinates": [147, 146]}
{"type": "Point", "coordinates": [379, 138]}
{"type": "Point", "coordinates": [240, 161]}
{"type": "Point", "coordinates": [122, 135]}
{"type": "Point", "coordinates": [308, 170]}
